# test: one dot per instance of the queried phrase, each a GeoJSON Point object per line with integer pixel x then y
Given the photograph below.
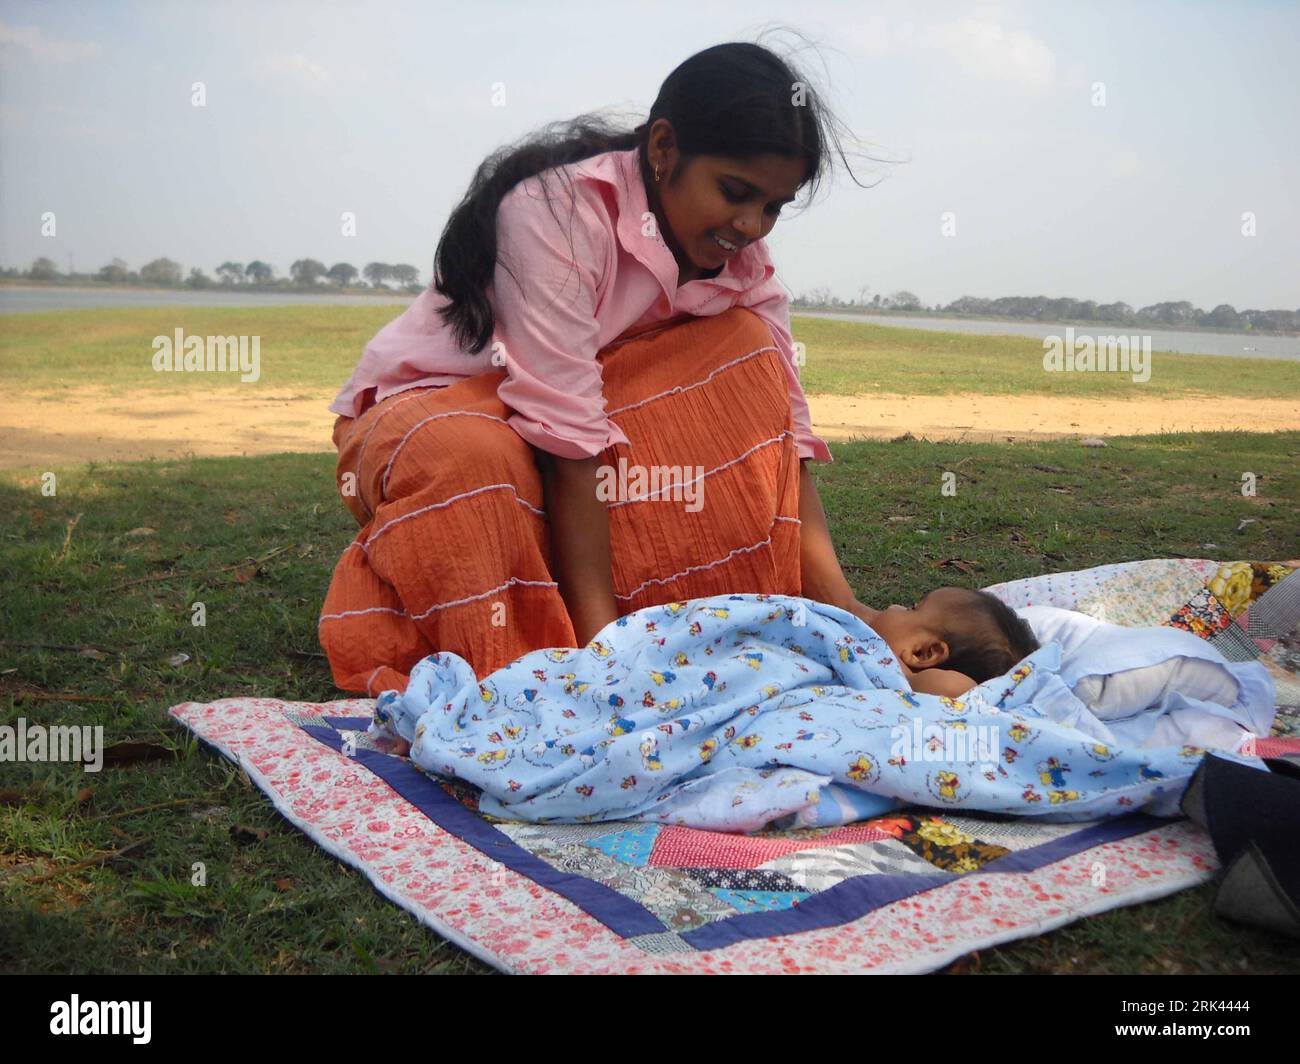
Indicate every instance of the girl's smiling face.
{"type": "Point", "coordinates": [712, 207]}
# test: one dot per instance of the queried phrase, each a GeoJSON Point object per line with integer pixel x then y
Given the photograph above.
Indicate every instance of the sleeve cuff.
{"type": "Point", "coordinates": [587, 445]}
{"type": "Point", "coordinates": [814, 448]}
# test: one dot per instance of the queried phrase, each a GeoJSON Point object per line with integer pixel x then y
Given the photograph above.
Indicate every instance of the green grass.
{"type": "Point", "coordinates": [279, 904]}
{"type": "Point", "coordinates": [313, 349]}
{"type": "Point", "coordinates": [306, 348]}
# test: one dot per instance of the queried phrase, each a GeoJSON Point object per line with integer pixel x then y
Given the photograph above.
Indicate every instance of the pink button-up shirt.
{"type": "Point", "coordinates": [619, 275]}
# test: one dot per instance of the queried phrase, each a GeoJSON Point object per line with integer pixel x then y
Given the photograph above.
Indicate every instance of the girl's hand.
{"type": "Point", "coordinates": [820, 575]}
{"type": "Point", "coordinates": [580, 550]}
{"type": "Point", "coordinates": [865, 612]}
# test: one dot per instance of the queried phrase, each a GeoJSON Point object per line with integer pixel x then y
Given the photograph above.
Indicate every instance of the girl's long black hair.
{"type": "Point", "coordinates": [736, 100]}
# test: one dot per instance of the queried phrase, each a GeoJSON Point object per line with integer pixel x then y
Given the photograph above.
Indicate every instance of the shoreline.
{"type": "Point", "coordinates": [994, 319]}
{"type": "Point", "coordinates": [903, 316]}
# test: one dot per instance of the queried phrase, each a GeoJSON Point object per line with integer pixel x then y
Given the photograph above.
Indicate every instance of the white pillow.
{"type": "Point", "coordinates": [1116, 695]}
{"type": "Point", "coordinates": [1121, 693]}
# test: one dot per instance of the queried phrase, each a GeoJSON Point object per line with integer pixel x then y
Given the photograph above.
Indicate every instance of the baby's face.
{"type": "Point", "coordinates": [913, 634]}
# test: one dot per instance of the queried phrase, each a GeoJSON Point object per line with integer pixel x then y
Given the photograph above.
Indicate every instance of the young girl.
{"type": "Point", "coordinates": [641, 326]}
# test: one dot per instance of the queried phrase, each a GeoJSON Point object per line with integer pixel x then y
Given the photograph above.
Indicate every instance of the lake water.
{"type": "Point", "coordinates": [1179, 341]}
{"type": "Point", "coordinates": [16, 298]}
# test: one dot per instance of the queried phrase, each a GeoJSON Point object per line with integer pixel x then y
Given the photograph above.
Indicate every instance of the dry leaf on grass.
{"type": "Point", "coordinates": [131, 753]}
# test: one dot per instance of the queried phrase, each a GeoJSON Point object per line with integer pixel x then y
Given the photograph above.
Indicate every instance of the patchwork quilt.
{"type": "Point", "coordinates": [904, 891]}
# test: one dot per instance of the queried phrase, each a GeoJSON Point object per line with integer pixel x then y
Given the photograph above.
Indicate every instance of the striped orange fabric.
{"type": "Point", "coordinates": [454, 549]}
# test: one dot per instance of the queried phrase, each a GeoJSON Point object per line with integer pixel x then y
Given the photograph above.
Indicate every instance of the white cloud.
{"type": "Point", "coordinates": [985, 48]}
{"type": "Point", "coordinates": [981, 45]}
{"type": "Point", "coordinates": [871, 35]}
{"type": "Point", "coordinates": [298, 66]}
{"type": "Point", "coordinates": [1125, 163]}
{"type": "Point", "coordinates": [45, 49]}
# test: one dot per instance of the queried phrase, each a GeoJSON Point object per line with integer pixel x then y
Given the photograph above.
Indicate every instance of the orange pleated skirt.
{"type": "Point", "coordinates": [454, 552]}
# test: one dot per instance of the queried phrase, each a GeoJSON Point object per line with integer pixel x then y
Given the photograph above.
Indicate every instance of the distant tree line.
{"type": "Point", "coordinates": [1045, 308]}
{"type": "Point", "coordinates": [309, 275]}
{"type": "Point", "coordinates": [305, 274]}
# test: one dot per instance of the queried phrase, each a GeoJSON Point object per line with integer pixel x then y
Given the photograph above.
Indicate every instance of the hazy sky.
{"type": "Point", "coordinates": [385, 108]}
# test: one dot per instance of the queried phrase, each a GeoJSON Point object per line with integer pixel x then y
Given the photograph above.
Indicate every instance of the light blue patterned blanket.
{"type": "Point", "coordinates": [736, 712]}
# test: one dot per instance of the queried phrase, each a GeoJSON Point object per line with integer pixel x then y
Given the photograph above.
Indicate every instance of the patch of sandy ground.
{"type": "Point", "coordinates": [1028, 417]}
{"type": "Point", "coordinates": [72, 425]}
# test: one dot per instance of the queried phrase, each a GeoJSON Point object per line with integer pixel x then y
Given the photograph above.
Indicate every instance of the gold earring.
{"type": "Point", "coordinates": [656, 175]}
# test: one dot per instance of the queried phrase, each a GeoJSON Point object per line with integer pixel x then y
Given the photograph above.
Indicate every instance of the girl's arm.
{"type": "Point", "coordinates": [579, 525]}
{"type": "Point", "coordinates": [820, 574]}
{"type": "Point", "coordinates": [948, 682]}
{"type": "Point", "coordinates": [941, 682]}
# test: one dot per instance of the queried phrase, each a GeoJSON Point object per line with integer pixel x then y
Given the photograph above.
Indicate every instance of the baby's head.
{"type": "Point", "coordinates": [971, 632]}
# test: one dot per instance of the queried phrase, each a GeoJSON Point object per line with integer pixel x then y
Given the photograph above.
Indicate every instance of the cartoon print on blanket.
{"type": "Point", "coordinates": [733, 712]}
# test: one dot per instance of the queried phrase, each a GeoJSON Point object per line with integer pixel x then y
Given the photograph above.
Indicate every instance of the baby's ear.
{"type": "Point", "coordinates": [936, 653]}
{"type": "Point", "coordinates": [909, 660]}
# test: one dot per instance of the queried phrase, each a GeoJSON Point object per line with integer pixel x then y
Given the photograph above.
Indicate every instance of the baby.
{"type": "Point", "coordinates": [973, 635]}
